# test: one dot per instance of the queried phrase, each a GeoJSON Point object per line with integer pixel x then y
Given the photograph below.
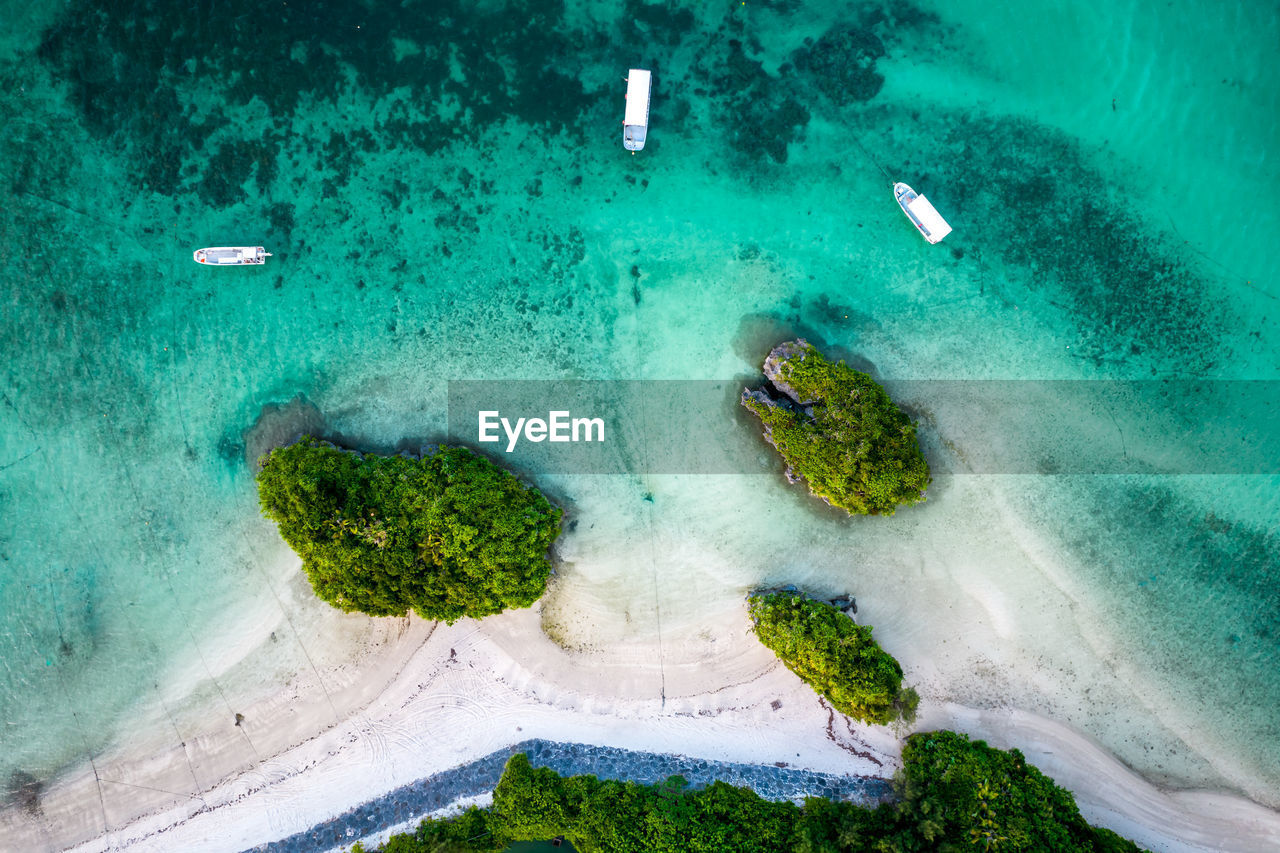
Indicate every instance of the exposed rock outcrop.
{"type": "Point", "coordinates": [787, 396]}
{"type": "Point", "coordinates": [848, 605]}
{"type": "Point", "coordinates": [783, 352]}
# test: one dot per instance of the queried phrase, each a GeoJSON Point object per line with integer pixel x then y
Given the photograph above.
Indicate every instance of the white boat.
{"type": "Point", "coordinates": [231, 256]}
{"type": "Point", "coordinates": [921, 213]}
{"type": "Point", "coordinates": [635, 124]}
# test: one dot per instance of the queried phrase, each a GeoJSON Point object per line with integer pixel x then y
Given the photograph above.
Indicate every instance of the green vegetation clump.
{"type": "Point", "coordinates": [447, 536]}
{"type": "Point", "coordinates": [597, 815]}
{"type": "Point", "coordinates": [965, 795]}
{"type": "Point", "coordinates": [954, 796]}
{"type": "Point", "coordinates": [843, 435]}
{"type": "Point", "coordinates": [834, 655]}
{"type": "Point", "coordinates": [607, 816]}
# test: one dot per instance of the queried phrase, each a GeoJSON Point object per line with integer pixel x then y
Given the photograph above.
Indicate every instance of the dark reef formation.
{"type": "Point", "coordinates": [279, 424]}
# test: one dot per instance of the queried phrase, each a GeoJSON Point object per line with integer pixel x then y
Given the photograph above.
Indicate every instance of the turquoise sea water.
{"type": "Point", "coordinates": [443, 188]}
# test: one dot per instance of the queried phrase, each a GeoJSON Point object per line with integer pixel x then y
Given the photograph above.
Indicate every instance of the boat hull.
{"type": "Point", "coordinates": [633, 137]}
{"type": "Point", "coordinates": [231, 256]}
{"type": "Point", "coordinates": [635, 121]}
{"type": "Point", "coordinates": [921, 212]}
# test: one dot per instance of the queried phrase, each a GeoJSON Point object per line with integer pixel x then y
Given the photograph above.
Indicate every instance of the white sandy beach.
{"type": "Point", "coordinates": [468, 689]}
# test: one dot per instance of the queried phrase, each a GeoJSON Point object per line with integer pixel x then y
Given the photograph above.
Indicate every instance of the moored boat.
{"type": "Point", "coordinates": [635, 123]}
{"type": "Point", "coordinates": [921, 213]}
{"type": "Point", "coordinates": [231, 256]}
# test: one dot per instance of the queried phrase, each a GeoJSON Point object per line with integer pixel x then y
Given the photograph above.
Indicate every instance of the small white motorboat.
{"type": "Point", "coordinates": [231, 256]}
{"type": "Point", "coordinates": [635, 123]}
{"type": "Point", "coordinates": [921, 213]}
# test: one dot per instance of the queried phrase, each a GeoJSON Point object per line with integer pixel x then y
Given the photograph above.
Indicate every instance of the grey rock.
{"type": "Point", "coordinates": [773, 367]}
{"type": "Point", "coordinates": [791, 399]}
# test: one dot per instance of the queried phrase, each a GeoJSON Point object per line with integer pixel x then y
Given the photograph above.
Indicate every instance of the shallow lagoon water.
{"type": "Point", "coordinates": [446, 196]}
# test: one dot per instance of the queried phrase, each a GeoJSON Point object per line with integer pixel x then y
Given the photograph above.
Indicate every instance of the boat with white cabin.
{"type": "Point", "coordinates": [635, 123]}
{"type": "Point", "coordinates": [231, 256]}
{"type": "Point", "coordinates": [921, 213]}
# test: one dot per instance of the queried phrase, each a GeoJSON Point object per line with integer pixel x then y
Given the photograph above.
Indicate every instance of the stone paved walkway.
{"type": "Point", "coordinates": [569, 759]}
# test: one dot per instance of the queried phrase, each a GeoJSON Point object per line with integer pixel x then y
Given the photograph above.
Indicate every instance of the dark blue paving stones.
{"type": "Point", "coordinates": [570, 759]}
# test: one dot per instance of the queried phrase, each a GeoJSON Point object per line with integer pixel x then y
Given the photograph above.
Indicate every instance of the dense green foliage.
{"type": "Point", "coordinates": [965, 795]}
{"type": "Point", "coordinates": [834, 655]}
{"type": "Point", "coordinates": [449, 535]}
{"type": "Point", "coordinates": [853, 446]}
{"type": "Point", "coordinates": [955, 796]}
{"type": "Point", "coordinates": [606, 815]}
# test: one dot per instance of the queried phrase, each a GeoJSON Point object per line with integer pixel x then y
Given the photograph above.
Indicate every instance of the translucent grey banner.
{"type": "Point", "coordinates": [965, 426]}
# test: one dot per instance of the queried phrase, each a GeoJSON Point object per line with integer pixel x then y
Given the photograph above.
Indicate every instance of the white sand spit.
{"type": "Point", "coordinates": [474, 687]}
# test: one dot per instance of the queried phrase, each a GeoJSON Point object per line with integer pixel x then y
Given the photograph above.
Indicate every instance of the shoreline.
{"type": "Point", "coordinates": [462, 695]}
{"type": "Point", "coordinates": [460, 682]}
{"type": "Point", "coordinates": [144, 772]}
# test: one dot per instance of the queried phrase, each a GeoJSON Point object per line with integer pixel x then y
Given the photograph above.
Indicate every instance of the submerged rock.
{"type": "Point", "coordinates": [24, 791]}
{"type": "Point", "coordinates": [280, 424]}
